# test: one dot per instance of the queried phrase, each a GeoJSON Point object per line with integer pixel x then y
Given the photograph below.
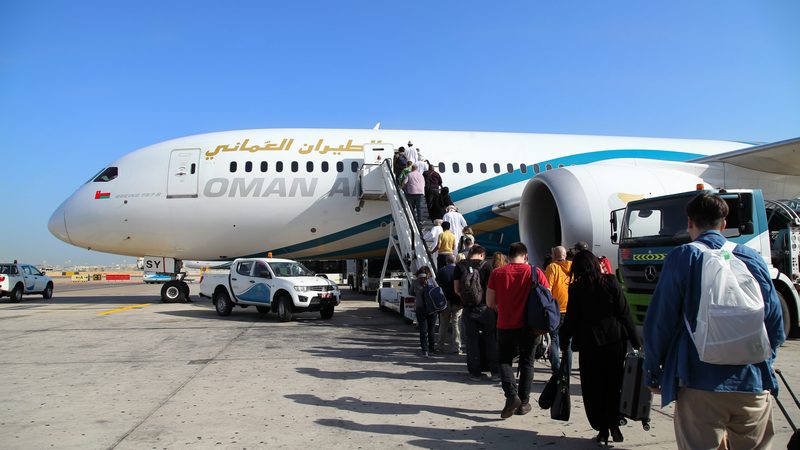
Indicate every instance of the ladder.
{"type": "Point", "coordinates": [405, 234]}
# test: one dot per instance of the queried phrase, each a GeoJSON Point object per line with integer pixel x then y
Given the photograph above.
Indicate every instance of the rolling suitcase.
{"type": "Point", "coordinates": [635, 398]}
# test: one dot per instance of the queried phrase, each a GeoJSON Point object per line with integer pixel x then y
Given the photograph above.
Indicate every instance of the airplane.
{"type": "Point", "coordinates": [294, 193]}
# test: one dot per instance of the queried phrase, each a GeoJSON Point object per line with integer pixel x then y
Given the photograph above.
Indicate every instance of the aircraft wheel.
{"type": "Point", "coordinates": [172, 292]}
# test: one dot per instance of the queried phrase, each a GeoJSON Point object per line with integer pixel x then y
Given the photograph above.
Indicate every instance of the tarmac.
{"type": "Point", "coordinates": [109, 366]}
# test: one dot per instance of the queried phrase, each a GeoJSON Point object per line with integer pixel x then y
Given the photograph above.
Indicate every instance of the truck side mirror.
{"type": "Point", "coordinates": [746, 228]}
{"type": "Point", "coordinates": [614, 238]}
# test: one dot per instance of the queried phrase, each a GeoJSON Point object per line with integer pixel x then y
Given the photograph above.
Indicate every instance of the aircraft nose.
{"type": "Point", "coordinates": [58, 224]}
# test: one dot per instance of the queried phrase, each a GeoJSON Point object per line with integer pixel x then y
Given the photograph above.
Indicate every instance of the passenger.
{"type": "Point", "coordinates": [425, 319]}
{"type": "Point", "coordinates": [457, 222]}
{"type": "Point", "coordinates": [415, 188]}
{"type": "Point", "coordinates": [557, 273]}
{"type": "Point", "coordinates": [411, 153]}
{"type": "Point", "coordinates": [399, 163]}
{"type": "Point", "coordinates": [507, 293]}
{"type": "Point", "coordinates": [422, 165]}
{"type": "Point", "coordinates": [449, 319]}
{"type": "Point", "coordinates": [433, 183]}
{"type": "Point", "coordinates": [440, 204]}
{"type": "Point", "coordinates": [402, 180]}
{"type": "Point", "coordinates": [480, 323]}
{"type": "Point", "coordinates": [465, 233]}
{"type": "Point", "coordinates": [432, 236]}
{"type": "Point", "coordinates": [710, 400]}
{"type": "Point", "coordinates": [499, 259]}
{"type": "Point", "coordinates": [445, 245]}
{"type": "Point", "coordinates": [599, 322]}
{"type": "Point", "coordinates": [469, 241]}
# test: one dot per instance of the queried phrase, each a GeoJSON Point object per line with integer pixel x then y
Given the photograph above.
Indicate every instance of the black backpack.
{"type": "Point", "coordinates": [471, 288]}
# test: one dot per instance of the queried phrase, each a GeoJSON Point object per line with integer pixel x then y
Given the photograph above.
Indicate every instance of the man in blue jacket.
{"type": "Point", "coordinates": [711, 401]}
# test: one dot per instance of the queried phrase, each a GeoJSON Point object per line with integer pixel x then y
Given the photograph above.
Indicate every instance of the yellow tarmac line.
{"type": "Point", "coordinates": [124, 308]}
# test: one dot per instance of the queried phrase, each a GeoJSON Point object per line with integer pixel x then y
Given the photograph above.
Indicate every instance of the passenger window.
{"type": "Point", "coordinates": [248, 166]}
{"type": "Point", "coordinates": [244, 268]}
{"type": "Point", "coordinates": [496, 168]}
{"type": "Point", "coordinates": [107, 175]}
{"type": "Point", "coordinates": [263, 166]}
{"type": "Point", "coordinates": [560, 165]}
{"type": "Point", "coordinates": [354, 166]}
{"type": "Point", "coordinates": [535, 168]}
{"type": "Point", "coordinates": [26, 270]}
{"type": "Point", "coordinates": [442, 166]}
{"type": "Point", "coordinates": [483, 168]}
{"type": "Point", "coordinates": [469, 167]}
{"type": "Point", "coordinates": [310, 166]}
{"type": "Point", "coordinates": [295, 166]}
{"type": "Point", "coordinates": [261, 270]}
{"type": "Point", "coordinates": [455, 168]}
{"type": "Point", "coordinates": [339, 166]}
{"type": "Point", "coordinates": [510, 168]}
{"type": "Point", "coordinates": [233, 166]}
{"type": "Point", "coordinates": [324, 166]}
{"type": "Point", "coordinates": [523, 168]}
{"type": "Point", "coordinates": [35, 271]}
{"type": "Point", "coordinates": [548, 166]}
{"type": "Point", "coordinates": [279, 166]}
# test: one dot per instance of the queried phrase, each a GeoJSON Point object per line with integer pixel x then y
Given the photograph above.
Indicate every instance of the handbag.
{"type": "Point", "coordinates": [548, 395]}
{"type": "Point", "coordinates": [561, 405]}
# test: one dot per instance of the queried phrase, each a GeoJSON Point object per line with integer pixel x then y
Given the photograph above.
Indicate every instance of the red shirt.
{"type": "Point", "coordinates": [511, 285]}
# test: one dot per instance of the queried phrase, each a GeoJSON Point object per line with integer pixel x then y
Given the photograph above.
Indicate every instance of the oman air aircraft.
{"type": "Point", "coordinates": [296, 193]}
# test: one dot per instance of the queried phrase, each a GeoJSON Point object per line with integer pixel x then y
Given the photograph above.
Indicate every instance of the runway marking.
{"type": "Point", "coordinates": [124, 308]}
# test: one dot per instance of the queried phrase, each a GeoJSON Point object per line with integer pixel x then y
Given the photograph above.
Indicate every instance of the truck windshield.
{"type": "Point", "coordinates": [663, 221]}
{"type": "Point", "coordinates": [290, 269]}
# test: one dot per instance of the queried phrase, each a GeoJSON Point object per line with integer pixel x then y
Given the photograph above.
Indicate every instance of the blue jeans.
{"type": "Point", "coordinates": [555, 349]}
{"type": "Point", "coordinates": [427, 337]}
{"type": "Point", "coordinates": [415, 202]}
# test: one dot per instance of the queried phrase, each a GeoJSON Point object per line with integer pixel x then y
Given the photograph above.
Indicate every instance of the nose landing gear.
{"type": "Point", "coordinates": [175, 291]}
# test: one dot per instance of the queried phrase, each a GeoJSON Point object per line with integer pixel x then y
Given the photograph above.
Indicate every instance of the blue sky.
{"type": "Point", "coordinates": [82, 83]}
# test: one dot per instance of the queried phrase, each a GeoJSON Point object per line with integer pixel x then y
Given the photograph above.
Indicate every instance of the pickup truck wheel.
{"type": "Point", "coordinates": [263, 309]}
{"type": "Point", "coordinates": [222, 303]}
{"type": "Point", "coordinates": [48, 292]}
{"type": "Point", "coordinates": [172, 292]}
{"type": "Point", "coordinates": [16, 294]}
{"type": "Point", "coordinates": [326, 312]}
{"type": "Point", "coordinates": [285, 309]}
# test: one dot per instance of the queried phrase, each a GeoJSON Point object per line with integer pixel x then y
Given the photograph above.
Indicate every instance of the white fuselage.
{"type": "Point", "coordinates": [185, 199]}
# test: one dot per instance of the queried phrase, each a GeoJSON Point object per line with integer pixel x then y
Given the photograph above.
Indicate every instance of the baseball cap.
{"type": "Point", "coordinates": [581, 245]}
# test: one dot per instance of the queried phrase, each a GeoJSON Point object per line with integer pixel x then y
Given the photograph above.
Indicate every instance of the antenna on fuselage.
{"type": "Point", "coordinates": [377, 126]}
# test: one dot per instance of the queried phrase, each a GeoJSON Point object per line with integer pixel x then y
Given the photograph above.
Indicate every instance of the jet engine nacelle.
{"type": "Point", "coordinates": [571, 204]}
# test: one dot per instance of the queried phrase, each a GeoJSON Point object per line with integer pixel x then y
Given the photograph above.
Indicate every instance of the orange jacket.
{"type": "Point", "coordinates": [557, 274]}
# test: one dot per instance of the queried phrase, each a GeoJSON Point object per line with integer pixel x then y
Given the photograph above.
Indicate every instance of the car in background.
{"type": "Point", "coordinates": [17, 280]}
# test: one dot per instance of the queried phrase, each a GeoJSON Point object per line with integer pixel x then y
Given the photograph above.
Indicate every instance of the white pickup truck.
{"type": "Point", "coordinates": [274, 285]}
{"type": "Point", "coordinates": [18, 279]}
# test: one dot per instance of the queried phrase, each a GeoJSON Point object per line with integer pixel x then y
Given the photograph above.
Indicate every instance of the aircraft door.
{"type": "Point", "coordinates": [370, 176]}
{"type": "Point", "coordinates": [184, 170]}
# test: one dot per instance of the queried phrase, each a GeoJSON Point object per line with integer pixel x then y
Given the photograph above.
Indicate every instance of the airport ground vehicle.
{"type": "Point", "coordinates": [17, 280]}
{"type": "Point", "coordinates": [274, 285]}
{"type": "Point", "coordinates": [154, 278]}
{"type": "Point", "coordinates": [651, 227]}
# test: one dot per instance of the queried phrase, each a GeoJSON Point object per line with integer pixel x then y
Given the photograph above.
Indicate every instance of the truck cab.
{"type": "Point", "coordinates": [650, 228]}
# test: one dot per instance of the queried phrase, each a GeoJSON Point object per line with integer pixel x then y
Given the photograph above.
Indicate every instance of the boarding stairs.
{"type": "Point", "coordinates": [406, 235]}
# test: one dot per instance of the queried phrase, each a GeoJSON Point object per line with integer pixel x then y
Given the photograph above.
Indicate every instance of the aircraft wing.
{"type": "Point", "coordinates": [782, 158]}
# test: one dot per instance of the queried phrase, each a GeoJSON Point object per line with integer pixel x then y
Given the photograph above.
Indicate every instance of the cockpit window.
{"type": "Point", "coordinates": [107, 175]}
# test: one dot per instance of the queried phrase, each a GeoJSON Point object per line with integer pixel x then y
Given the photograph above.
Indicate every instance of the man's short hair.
{"type": "Point", "coordinates": [558, 251]}
{"type": "Point", "coordinates": [445, 225]}
{"type": "Point", "coordinates": [401, 150]}
{"type": "Point", "coordinates": [517, 249]}
{"type": "Point", "coordinates": [414, 166]}
{"type": "Point", "coordinates": [580, 246]}
{"type": "Point", "coordinates": [450, 259]}
{"type": "Point", "coordinates": [476, 250]}
{"type": "Point", "coordinates": [707, 211]}
{"type": "Point", "coordinates": [469, 240]}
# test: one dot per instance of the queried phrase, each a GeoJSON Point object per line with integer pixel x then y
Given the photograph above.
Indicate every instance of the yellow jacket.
{"type": "Point", "coordinates": [557, 274]}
